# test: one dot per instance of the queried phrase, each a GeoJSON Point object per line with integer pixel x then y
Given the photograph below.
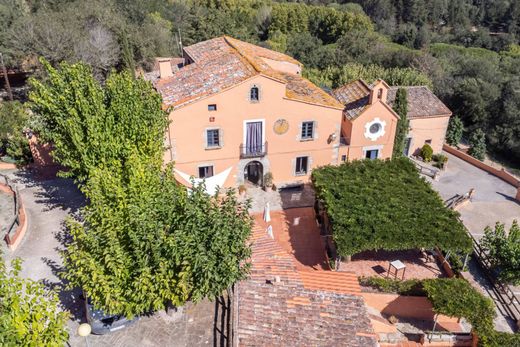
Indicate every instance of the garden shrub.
{"type": "Point", "coordinates": [455, 297]}
{"type": "Point", "coordinates": [427, 153]}
{"type": "Point", "coordinates": [503, 249]}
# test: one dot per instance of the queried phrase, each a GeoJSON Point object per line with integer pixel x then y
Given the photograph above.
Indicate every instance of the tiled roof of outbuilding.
{"type": "Point", "coordinates": [223, 62]}
{"type": "Point", "coordinates": [422, 103]}
{"type": "Point", "coordinates": [354, 96]}
{"type": "Point", "coordinates": [311, 308]}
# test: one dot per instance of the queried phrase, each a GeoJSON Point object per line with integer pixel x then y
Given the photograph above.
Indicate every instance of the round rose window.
{"type": "Point", "coordinates": [375, 128]}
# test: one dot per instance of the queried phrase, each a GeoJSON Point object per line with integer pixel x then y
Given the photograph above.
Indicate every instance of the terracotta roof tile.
{"type": "Point", "coordinates": [281, 306]}
{"type": "Point", "coordinates": [422, 103]}
{"type": "Point", "coordinates": [337, 282]}
{"type": "Point", "coordinates": [354, 96]}
{"type": "Point", "coordinates": [223, 62]}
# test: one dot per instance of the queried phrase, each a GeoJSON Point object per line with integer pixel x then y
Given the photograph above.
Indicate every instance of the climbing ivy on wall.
{"type": "Point", "coordinates": [401, 108]}
{"type": "Point", "coordinates": [375, 204]}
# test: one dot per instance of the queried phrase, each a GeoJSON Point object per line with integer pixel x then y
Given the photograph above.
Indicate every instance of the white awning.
{"type": "Point", "coordinates": [213, 183]}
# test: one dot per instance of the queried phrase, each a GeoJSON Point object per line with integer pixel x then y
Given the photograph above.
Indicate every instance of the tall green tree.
{"type": "Point", "coordinates": [91, 125]}
{"type": "Point", "coordinates": [401, 108]}
{"type": "Point", "coordinates": [30, 315]}
{"type": "Point", "coordinates": [455, 131]}
{"type": "Point", "coordinates": [503, 249]}
{"type": "Point", "coordinates": [142, 241]}
{"type": "Point", "coordinates": [145, 242]}
{"type": "Point", "coordinates": [477, 144]}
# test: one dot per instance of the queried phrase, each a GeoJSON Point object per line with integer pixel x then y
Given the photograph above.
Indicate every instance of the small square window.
{"type": "Point", "coordinates": [429, 141]}
{"type": "Point", "coordinates": [301, 166]}
{"type": "Point", "coordinates": [205, 171]}
{"type": "Point", "coordinates": [343, 157]}
{"type": "Point", "coordinates": [307, 131]}
{"type": "Point", "coordinates": [212, 138]}
{"type": "Point", "coordinates": [212, 107]}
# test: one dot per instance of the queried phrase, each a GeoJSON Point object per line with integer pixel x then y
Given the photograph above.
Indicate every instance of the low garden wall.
{"type": "Point", "coordinates": [18, 225]}
{"type": "Point", "coordinates": [414, 307]}
{"type": "Point", "coordinates": [502, 174]}
{"type": "Point", "coordinates": [7, 166]}
{"type": "Point", "coordinates": [446, 266]}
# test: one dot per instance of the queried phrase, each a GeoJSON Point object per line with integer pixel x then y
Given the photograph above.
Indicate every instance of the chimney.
{"type": "Point", "coordinates": [165, 68]}
{"type": "Point", "coordinates": [379, 91]}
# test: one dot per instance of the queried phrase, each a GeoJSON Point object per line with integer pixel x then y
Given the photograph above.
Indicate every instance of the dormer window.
{"type": "Point", "coordinates": [380, 93]}
{"type": "Point", "coordinates": [254, 94]}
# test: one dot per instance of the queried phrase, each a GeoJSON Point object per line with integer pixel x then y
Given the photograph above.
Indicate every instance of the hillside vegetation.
{"type": "Point", "coordinates": [466, 50]}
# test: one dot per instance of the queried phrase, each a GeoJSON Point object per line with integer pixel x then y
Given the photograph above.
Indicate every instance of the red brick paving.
{"type": "Point", "coordinates": [373, 263]}
{"type": "Point", "coordinates": [296, 231]}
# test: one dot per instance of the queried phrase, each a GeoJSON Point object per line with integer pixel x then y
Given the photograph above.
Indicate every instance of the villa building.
{"type": "Point", "coordinates": [239, 111]}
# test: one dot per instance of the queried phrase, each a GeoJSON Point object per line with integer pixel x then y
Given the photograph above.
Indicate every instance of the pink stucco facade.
{"type": "Point", "coordinates": [190, 123]}
{"type": "Point", "coordinates": [430, 130]}
{"type": "Point", "coordinates": [295, 125]}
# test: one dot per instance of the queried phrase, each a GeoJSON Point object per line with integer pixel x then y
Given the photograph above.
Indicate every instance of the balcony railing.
{"type": "Point", "coordinates": [249, 151]}
{"type": "Point", "coordinates": [343, 141]}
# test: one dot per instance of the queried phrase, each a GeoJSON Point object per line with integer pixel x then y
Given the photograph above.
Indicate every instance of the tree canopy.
{"type": "Point", "coordinates": [142, 241]}
{"type": "Point", "coordinates": [30, 315]}
{"type": "Point", "coordinates": [465, 50]}
{"type": "Point", "coordinates": [91, 125]}
{"type": "Point", "coordinates": [375, 204]}
{"type": "Point", "coordinates": [503, 248]}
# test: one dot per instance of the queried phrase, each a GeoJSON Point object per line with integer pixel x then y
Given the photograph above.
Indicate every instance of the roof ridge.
{"type": "Point", "coordinates": [228, 39]}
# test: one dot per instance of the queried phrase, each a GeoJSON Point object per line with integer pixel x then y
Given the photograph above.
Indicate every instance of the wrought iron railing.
{"type": "Point", "coordinates": [343, 141]}
{"type": "Point", "coordinates": [253, 151]}
{"type": "Point", "coordinates": [504, 294]}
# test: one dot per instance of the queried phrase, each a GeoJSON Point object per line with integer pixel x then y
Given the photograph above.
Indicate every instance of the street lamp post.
{"type": "Point", "coordinates": [84, 330]}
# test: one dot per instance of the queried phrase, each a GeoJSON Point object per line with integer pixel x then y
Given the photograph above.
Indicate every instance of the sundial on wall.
{"type": "Point", "coordinates": [281, 126]}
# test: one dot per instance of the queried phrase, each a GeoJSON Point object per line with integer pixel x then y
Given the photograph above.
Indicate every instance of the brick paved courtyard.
{"type": "Point", "coordinates": [295, 229]}
{"type": "Point", "coordinates": [373, 263]}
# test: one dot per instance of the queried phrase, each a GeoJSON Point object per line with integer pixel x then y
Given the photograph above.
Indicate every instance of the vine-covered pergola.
{"type": "Point", "coordinates": [374, 204]}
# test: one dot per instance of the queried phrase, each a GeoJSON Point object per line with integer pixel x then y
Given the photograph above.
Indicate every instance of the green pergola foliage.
{"type": "Point", "coordinates": [374, 204]}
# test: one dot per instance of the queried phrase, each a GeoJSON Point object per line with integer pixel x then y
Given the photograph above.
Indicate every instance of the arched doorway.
{"type": "Point", "coordinates": [254, 173]}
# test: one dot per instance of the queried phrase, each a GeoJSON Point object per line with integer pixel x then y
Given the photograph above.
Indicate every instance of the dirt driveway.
{"type": "Point", "coordinates": [494, 199]}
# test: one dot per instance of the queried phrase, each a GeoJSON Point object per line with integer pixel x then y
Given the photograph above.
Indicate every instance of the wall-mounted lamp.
{"type": "Point", "coordinates": [331, 138]}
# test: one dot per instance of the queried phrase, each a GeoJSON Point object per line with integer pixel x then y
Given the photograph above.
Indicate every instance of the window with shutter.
{"type": "Point", "coordinates": [212, 138]}
{"type": "Point", "coordinates": [307, 132]}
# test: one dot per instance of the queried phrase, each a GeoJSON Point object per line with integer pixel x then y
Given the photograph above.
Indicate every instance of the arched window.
{"type": "Point", "coordinates": [380, 93]}
{"type": "Point", "coordinates": [254, 94]}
